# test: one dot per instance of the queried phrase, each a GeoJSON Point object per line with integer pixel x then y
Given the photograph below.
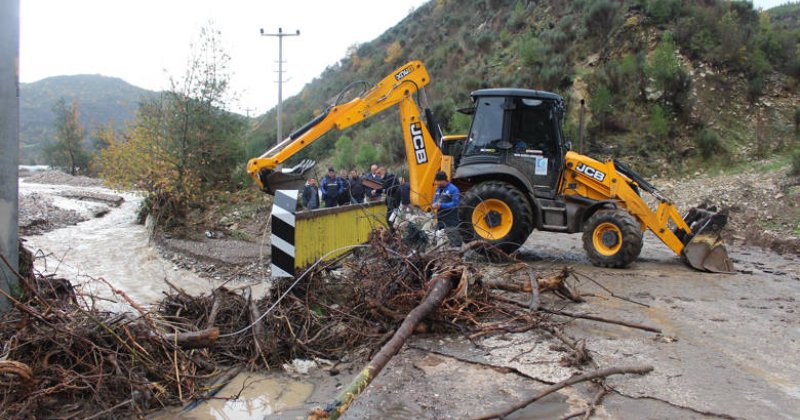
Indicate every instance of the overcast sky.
{"type": "Point", "coordinates": [146, 41]}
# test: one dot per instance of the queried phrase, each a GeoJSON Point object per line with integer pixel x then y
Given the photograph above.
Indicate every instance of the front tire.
{"type": "Point", "coordinates": [498, 213]}
{"type": "Point", "coordinates": [612, 238]}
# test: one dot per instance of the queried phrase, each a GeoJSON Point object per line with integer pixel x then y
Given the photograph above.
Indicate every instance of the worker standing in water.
{"type": "Point", "coordinates": [445, 202]}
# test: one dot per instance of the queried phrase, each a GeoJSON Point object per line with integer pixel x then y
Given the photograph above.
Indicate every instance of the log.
{"type": "Point", "coordinates": [601, 373]}
{"type": "Point", "coordinates": [442, 285]}
{"type": "Point", "coordinates": [190, 340]}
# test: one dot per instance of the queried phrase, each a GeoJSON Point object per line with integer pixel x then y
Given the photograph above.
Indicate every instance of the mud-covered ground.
{"type": "Point", "coordinates": [728, 347]}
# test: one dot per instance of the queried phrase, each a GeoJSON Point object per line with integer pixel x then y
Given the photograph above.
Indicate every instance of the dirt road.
{"type": "Point", "coordinates": [728, 349]}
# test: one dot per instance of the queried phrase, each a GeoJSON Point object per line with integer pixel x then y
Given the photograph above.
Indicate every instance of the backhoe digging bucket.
{"type": "Point", "coordinates": [704, 250]}
{"type": "Point", "coordinates": [293, 178]}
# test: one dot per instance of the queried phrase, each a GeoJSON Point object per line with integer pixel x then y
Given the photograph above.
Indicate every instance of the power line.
{"type": "Point", "coordinates": [280, 36]}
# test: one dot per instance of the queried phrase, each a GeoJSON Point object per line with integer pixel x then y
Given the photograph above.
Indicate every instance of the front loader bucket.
{"type": "Point", "coordinates": [704, 249]}
{"type": "Point", "coordinates": [286, 179]}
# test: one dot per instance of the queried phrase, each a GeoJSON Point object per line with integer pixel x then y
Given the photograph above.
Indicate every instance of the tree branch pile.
{"type": "Point", "coordinates": [64, 355]}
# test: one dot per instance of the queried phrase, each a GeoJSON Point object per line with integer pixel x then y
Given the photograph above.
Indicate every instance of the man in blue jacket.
{"type": "Point", "coordinates": [331, 188]}
{"type": "Point", "coordinates": [445, 202]}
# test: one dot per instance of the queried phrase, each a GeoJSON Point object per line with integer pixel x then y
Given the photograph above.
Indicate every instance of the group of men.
{"type": "Point", "coordinates": [344, 189]}
{"type": "Point", "coordinates": [353, 189]}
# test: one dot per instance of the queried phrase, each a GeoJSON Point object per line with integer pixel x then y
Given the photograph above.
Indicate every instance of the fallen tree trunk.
{"type": "Point", "coordinates": [601, 373]}
{"type": "Point", "coordinates": [442, 285]}
{"type": "Point", "coordinates": [190, 340]}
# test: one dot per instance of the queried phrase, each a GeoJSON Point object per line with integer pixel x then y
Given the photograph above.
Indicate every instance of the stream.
{"type": "Point", "coordinates": [114, 249]}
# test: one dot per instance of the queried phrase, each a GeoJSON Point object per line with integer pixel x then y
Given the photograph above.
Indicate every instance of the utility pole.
{"type": "Point", "coordinates": [280, 36]}
{"type": "Point", "coordinates": [9, 144]}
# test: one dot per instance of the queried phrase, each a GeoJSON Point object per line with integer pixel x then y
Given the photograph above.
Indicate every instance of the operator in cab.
{"type": "Point", "coordinates": [445, 202]}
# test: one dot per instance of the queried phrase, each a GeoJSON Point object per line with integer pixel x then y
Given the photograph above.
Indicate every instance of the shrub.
{"type": "Point", "coordinates": [659, 123]}
{"type": "Point", "coordinates": [797, 120]}
{"type": "Point", "coordinates": [600, 17]}
{"type": "Point", "coordinates": [601, 104]}
{"type": "Point", "coordinates": [708, 142]}
{"type": "Point", "coordinates": [795, 169]}
{"type": "Point", "coordinates": [668, 74]}
{"type": "Point", "coordinates": [662, 11]}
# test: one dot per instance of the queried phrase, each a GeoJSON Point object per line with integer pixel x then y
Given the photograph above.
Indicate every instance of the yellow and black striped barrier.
{"type": "Point", "coordinates": [301, 237]}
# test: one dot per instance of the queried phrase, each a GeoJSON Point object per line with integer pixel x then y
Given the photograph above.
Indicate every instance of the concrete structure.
{"type": "Point", "coordinates": [9, 143]}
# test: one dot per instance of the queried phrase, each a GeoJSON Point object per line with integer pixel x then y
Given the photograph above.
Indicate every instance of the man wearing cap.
{"type": "Point", "coordinates": [331, 188]}
{"type": "Point", "coordinates": [445, 202]}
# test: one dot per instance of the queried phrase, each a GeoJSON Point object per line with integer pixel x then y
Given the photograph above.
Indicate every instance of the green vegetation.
{"type": "Point", "coordinates": [181, 144]}
{"type": "Point", "coordinates": [66, 152]}
{"type": "Point", "coordinates": [101, 100]}
{"type": "Point", "coordinates": [795, 168]}
{"type": "Point", "coordinates": [709, 143]}
{"type": "Point", "coordinates": [643, 63]}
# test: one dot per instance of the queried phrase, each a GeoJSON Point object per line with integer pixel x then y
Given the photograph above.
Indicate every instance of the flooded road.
{"type": "Point", "coordinates": [728, 347]}
{"type": "Point", "coordinates": [112, 247]}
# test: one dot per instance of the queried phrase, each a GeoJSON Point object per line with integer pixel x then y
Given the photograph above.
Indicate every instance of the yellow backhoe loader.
{"type": "Point", "coordinates": [516, 173]}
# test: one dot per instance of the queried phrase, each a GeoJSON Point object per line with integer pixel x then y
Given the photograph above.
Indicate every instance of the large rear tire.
{"type": "Point", "coordinates": [612, 238]}
{"type": "Point", "coordinates": [498, 213]}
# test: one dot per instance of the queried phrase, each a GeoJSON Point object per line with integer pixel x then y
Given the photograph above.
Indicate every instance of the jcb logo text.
{"type": "Point", "coordinates": [419, 143]}
{"type": "Point", "coordinates": [591, 172]}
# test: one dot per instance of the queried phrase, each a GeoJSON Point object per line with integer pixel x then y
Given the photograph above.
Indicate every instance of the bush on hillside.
{"type": "Point", "coordinates": [708, 142]}
{"type": "Point", "coordinates": [600, 18]}
{"type": "Point", "coordinates": [795, 169]}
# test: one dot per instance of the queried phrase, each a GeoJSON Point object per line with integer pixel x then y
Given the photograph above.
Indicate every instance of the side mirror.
{"type": "Point", "coordinates": [568, 145]}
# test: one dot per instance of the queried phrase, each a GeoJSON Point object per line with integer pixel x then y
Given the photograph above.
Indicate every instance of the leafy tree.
{"type": "Point", "coordinates": [67, 151]}
{"type": "Point", "coordinates": [668, 75]}
{"type": "Point", "coordinates": [182, 143]}
{"type": "Point", "coordinates": [345, 158]}
{"type": "Point", "coordinates": [367, 155]}
{"type": "Point", "coordinates": [663, 10]}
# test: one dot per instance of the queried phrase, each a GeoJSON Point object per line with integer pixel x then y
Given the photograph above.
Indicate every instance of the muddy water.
{"type": "Point", "coordinates": [112, 247]}
{"type": "Point", "coordinates": [250, 396]}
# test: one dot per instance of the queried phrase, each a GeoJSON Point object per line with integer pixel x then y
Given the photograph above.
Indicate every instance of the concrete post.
{"type": "Point", "coordinates": [9, 145]}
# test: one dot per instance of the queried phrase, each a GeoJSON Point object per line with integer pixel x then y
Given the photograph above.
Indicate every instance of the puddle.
{"type": "Point", "coordinates": [256, 396]}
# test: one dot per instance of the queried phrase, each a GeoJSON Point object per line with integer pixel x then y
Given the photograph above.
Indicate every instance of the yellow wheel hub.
{"type": "Point", "coordinates": [607, 239]}
{"type": "Point", "coordinates": [492, 219]}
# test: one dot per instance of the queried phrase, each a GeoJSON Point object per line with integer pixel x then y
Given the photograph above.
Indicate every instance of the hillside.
{"type": "Point", "coordinates": [101, 100]}
{"type": "Point", "coordinates": [682, 84]}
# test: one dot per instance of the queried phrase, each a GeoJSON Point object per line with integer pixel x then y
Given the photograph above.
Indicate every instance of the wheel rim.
{"type": "Point", "coordinates": [492, 219]}
{"type": "Point", "coordinates": [607, 239]}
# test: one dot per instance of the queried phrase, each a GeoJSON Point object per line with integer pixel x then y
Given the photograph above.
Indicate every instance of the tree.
{"type": "Point", "coordinates": [183, 143]}
{"type": "Point", "coordinates": [67, 152]}
{"type": "Point", "coordinates": [668, 75]}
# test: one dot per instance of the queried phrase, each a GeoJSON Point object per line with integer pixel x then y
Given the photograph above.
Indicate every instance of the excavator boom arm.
{"type": "Point", "coordinates": [396, 88]}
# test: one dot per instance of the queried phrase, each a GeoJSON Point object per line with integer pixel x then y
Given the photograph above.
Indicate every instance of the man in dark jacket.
{"type": "Point", "coordinates": [392, 191]}
{"type": "Point", "coordinates": [405, 194]}
{"type": "Point", "coordinates": [331, 188]}
{"type": "Point", "coordinates": [357, 188]}
{"type": "Point", "coordinates": [445, 202]}
{"type": "Point", "coordinates": [344, 197]}
{"type": "Point", "coordinates": [311, 195]}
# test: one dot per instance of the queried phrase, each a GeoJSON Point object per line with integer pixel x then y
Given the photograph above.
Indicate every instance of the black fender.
{"type": "Point", "coordinates": [586, 207]}
{"type": "Point", "coordinates": [470, 175]}
{"type": "Point", "coordinates": [477, 172]}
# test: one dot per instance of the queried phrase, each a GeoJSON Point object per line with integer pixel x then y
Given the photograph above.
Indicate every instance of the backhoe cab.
{"type": "Point", "coordinates": [516, 173]}
{"type": "Point", "coordinates": [519, 174]}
